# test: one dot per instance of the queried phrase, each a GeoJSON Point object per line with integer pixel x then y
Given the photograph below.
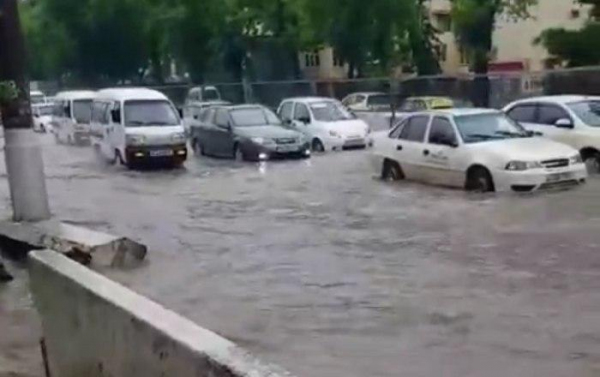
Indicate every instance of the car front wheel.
{"type": "Point", "coordinates": [480, 180]}
{"type": "Point", "coordinates": [391, 171]}
{"type": "Point", "coordinates": [592, 162]}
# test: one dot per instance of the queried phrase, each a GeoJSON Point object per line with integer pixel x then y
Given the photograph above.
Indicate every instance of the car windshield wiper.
{"type": "Point", "coordinates": [510, 134]}
{"type": "Point", "coordinates": [485, 136]}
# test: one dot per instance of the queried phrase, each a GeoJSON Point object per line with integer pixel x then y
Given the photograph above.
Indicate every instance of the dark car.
{"type": "Point", "coordinates": [246, 132]}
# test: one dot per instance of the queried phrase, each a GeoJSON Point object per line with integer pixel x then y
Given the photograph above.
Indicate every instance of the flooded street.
{"type": "Point", "coordinates": [319, 267]}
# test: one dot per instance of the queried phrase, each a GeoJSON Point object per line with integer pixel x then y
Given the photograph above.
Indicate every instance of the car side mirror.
{"type": "Point", "coordinates": [564, 123]}
{"type": "Point", "coordinates": [115, 115]}
{"type": "Point", "coordinates": [304, 120]}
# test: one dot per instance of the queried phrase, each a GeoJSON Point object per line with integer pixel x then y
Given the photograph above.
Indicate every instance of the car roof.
{"type": "Point", "coordinates": [76, 94]}
{"type": "Point", "coordinates": [561, 99]}
{"type": "Point", "coordinates": [125, 94]}
{"type": "Point", "coordinates": [458, 112]}
{"type": "Point", "coordinates": [430, 98]}
{"type": "Point", "coordinates": [240, 107]}
{"type": "Point", "coordinates": [366, 94]}
{"type": "Point", "coordinates": [307, 100]}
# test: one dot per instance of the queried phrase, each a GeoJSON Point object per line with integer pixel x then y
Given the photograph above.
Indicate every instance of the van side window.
{"type": "Point", "coordinates": [116, 112]}
{"type": "Point", "coordinates": [105, 113]}
{"type": "Point", "coordinates": [67, 109]}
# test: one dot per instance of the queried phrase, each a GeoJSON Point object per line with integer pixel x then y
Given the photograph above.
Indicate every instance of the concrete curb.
{"type": "Point", "coordinates": [84, 245]}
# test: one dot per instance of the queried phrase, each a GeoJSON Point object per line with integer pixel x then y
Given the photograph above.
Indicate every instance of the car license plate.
{"type": "Point", "coordinates": [161, 153]}
{"type": "Point", "coordinates": [287, 148]}
{"type": "Point", "coordinates": [552, 178]}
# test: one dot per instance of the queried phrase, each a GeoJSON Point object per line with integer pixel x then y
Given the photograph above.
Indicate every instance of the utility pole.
{"type": "Point", "coordinates": [22, 151]}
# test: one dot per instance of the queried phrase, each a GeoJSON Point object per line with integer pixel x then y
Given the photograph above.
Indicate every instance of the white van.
{"type": "Point", "coordinates": [71, 116]}
{"type": "Point", "coordinates": [134, 126]}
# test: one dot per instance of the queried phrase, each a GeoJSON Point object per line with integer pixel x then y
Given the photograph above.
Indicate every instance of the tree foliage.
{"type": "Point", "coordinates": [97, 41]}
{"type": "Point", "coordinates": [575, 48]}
{"type": "Point", "coordinates": [475, 22]}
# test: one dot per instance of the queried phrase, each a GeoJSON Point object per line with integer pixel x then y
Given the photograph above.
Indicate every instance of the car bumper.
{"type": "Point", "coordinates": [339, 143]}
{"type": "Point", "coordinates": [155, 154]}
{"type": "Point", "coordinates": [540, 179]}
{"type": "Point", "coordinates": [261, 153]}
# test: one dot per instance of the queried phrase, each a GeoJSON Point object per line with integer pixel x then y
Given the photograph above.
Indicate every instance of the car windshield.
{"type": "Point", "coordinates": [485, 127]}
{"type": "Point", "coordinates": [37, 98]}
{"type": "Point", "coordinates": [378, 100]}
{"type": "Point", "coordinates": [587, 111]}
{"type": "Point", "coordinates": [42, 110]}
{"type": "Point", "coordinates": [256, 116]}
{"type": "Point", "coordinates": [150, 113]}
{"type": "Point", "coordinates": [210, 95]}
{"type": "Point", "coordinates": [82, 111]}
{"type": "Point", "coordinates": [328, 111]}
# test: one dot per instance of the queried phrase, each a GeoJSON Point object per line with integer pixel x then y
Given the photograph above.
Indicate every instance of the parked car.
{"type": "Point", "coordinates": [42, 117]}
{"type": "Point", "coordinates": [476, 149]}
{"type": "Point", "coordinates": [325, 122]}
{"type": "Point", "coordinates": [202, 94]}
{"type": "Point", "coordinates": [573, 120]}
{"type": "Point", "coordinates": [246, 132]}
{"type": "Point", "coordinates": [36, 97]}
{"type": "Point", "coordinates": [71, 116]}
{"type": "Point", "coordinates": [137, 126]}
{"type": "Point", "coordinates": [367, 101]}
{"type": "Point", "coordinates": [194, 111]}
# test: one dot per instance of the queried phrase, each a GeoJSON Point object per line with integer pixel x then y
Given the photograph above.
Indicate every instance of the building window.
{"type": "Point", "coordinates": [464, 56]}
{"type": "Point", "coordinates": [337, 61]}
{"type": "Point", "coordinates": [575, 13]}
{"type": "Point", "coordinates": [312, 59]}
{"type": "Point", "coordinates": [443, 21]}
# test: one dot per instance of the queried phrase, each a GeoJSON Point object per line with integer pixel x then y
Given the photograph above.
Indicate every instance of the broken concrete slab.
{"type": "Point", "coordinates": [84, 245]}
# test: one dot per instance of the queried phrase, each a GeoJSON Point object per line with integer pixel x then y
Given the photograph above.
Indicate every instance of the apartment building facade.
{"type": "Point", "coordinates": [514, 49]}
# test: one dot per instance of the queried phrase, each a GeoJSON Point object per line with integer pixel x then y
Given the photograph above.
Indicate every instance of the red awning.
{"type": "Point", "coordinates": [515, 66]}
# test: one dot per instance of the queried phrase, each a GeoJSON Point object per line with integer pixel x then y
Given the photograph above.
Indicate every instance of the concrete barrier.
{"type": "Point", "coordinates": [95, 327]}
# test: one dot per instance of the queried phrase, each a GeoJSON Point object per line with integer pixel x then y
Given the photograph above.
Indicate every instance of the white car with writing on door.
{"type": "Point", "coordinates": [137, 126]}
{"type": "Point", "coordinates": [71, 116]}
{"type": "Point", "coordinates": [573, 120]}
{"type": "Point", "coordinates": [326, 122]}
{"type": "Point", "coordinates": [476, 149]}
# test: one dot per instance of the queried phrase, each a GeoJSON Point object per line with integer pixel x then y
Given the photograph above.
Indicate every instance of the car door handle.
{"type": "Point", "coordinates": [426, 152]}
{"type": "Point", "coordinates": [399, 147]}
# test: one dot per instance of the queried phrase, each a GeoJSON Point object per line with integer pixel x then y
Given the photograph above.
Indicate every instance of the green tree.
{"type": "Point", "coordinates": [360, 35]}
{"type": "Point", "coordinates": [474, 25]}
{"type": "Point", "coordinates": [575, 48]}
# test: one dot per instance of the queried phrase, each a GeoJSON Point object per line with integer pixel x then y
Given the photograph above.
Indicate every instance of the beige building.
{"type": "Point", "coordinates": [322, 64]}
{"type": "Point", "coordinates": [513, 40]}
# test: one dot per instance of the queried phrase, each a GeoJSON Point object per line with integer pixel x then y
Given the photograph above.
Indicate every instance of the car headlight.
{"type": "Point", "coordinates": [523, 165]}
{"type": "Point", "coordinates": [334, 133]}
{"type": "Point", "coordinates": [178, 138]}
{"type": "Point", "coordinates": [577, 159]}
{"type": "Point", "coordinates": [135, 139]}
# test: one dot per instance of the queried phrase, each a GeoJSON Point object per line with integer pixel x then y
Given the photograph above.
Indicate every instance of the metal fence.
{"type": "Point", "coordinates": [502, 87]}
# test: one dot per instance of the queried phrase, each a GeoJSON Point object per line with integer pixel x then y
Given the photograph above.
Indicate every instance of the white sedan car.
{"type": "Point", "coordinates": [42, 117]}
{"type": "Point", "coordinates": [476, 149]}
{"type": "Point", "coordinates": [573, 120]}
{"type": "Point", "coordinates": [325, 122]}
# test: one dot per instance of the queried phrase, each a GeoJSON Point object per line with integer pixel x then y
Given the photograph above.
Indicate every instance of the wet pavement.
{"type": "Point", "coordinates": [319, 267]}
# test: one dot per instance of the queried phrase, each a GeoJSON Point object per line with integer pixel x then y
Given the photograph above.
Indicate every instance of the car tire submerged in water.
{"type": "Point", "coordinates": [317, 146]}
{"type": "Point", "coordinates": [479, 179]}
{"type": "Point", "coordinates": [197, 148]}
{"type": "Point", "coordinates": [238, 154]}
{"type": "Point", "coordinates": [592, 161]}
{"type": "Point", "coordinates": [391, 171]}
